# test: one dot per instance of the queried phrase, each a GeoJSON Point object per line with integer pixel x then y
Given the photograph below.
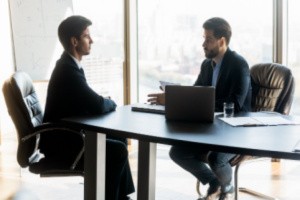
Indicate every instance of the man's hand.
{"type": "Point", "coordinates": [157, 98]}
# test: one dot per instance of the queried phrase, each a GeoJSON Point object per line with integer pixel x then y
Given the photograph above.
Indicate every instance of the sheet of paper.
{"type": "Point", "coordinates": [164, 83]}
{"type": "Point", "coordinates": [241, 121]}
{"type": "Point", "coordinates": [274, 120]}
{"type": "Point", "coordinates": [297, 147]}
{"type": "Point", "coordinates": [258, 121]}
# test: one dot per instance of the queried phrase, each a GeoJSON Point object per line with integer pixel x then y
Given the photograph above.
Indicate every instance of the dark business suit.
{"type": "Point", "coordinates": [233, 82]}
{"type": "Point", "coordinates": [233, 85]}
{"type": "Point", "coordinates": [69, 95]}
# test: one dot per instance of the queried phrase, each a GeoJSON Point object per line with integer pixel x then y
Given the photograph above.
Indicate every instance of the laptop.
{"type": "Point", "coordinates": [190, 103]}
{"type": "Point", "coordinates": [148, 108]}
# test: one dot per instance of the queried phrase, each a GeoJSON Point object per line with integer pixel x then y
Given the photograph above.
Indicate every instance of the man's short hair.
{"type": "Point", "coordinates": [72, 26]}
{"type": "Point", "coordinates": [220, 28]}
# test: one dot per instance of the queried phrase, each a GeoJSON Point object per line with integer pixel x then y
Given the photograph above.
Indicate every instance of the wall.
{"type": "Point", "coordinates": [6, 61]}
{"type": "Point", "coordinates": [34, 27]}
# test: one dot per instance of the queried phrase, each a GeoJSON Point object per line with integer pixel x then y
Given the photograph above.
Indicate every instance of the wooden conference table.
{"type": "Point", "coordinates": [150, 129]}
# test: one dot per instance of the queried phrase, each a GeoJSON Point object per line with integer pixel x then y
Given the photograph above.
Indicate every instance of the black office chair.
{"type": "Point", "coordinates": [272, 90]}
{"type": "Point", "coordinates": [26, 113]}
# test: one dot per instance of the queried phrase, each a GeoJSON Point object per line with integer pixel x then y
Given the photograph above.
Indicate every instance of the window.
{"type": "Point", "coordinates": [104, 66]}
{"type": "Point", "coordinates": [170, 37]}
{"type": "Point", "coordinates": [294, 49]}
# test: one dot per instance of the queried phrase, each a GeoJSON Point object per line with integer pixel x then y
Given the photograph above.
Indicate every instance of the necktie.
{"type": "Point", "coordinates": [81, 70]}
{"type": "Point", "coordinates": [215, 74]}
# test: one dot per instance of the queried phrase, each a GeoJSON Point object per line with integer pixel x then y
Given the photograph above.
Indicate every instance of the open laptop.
{"type": "Point", "coordinates": [149, 108]}
{"type": "Point", "coordinates": [190, 103]}
{"type": "Point", "coordinates": [184, 103]}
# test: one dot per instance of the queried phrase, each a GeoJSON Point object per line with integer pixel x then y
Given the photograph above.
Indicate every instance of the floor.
{"type": "Point", "coordinates": [279, 179]}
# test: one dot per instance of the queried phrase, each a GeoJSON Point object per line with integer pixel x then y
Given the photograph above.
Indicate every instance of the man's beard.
{"type": "Point", "coordinates": [212, 53]}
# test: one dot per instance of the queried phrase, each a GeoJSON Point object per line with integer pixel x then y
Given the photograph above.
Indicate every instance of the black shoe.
{"type": "Point", "coordinates": [226, 196]}
{"type": "Point", "coordinates": [226, 192]}
{"type": "Point", "coordinates": [214, 190]}
{"type": "Point", "coordinates": [214, 195]}
{"type": "Point", "coordinates": [127, 198]}
{"type": "Point", "coordinates": [214, 186]}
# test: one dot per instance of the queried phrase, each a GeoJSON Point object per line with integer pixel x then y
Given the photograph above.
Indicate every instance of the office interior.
{"type": "Point", "coordinates": [137, 43]}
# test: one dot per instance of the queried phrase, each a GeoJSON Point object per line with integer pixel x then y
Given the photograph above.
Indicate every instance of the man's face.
{"type": "Point", "coordinates": [211, 45]}
{"type": "Point", "coordinates": [83, 46]}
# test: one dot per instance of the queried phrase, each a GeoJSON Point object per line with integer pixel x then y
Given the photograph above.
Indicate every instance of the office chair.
{"type": "Point", "coordinates": [273, 88]}
{"type": "Point", "coordinates": [24, 108]}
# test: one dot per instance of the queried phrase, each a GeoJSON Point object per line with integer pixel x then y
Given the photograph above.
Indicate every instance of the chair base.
{"type": "Point", "coordinates": [240, 189]}
{"type": "Point", "coordinates": [255, 193]}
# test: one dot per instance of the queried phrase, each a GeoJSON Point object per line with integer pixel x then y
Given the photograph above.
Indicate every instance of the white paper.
{"type": "Point", "coordinates": [297, 147]}
{"type": "Point", "coordinates": [164, 83]}
{"type": "Point", "coordinates": [274, 120]}
{"type": "Point", "coordinates": [241, 121]}
{"type": "Point", "coordinates": [258, 121]}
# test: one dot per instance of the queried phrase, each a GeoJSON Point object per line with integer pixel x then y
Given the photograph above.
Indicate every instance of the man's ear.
{"type": "Point", "coordinates": [223, 41]}
{"type": "Point", "coordinates": [74, 41]}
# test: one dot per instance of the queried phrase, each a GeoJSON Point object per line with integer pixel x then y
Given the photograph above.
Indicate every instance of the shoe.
{"type": "Point", "coordinates": [213, 196]}
{"type": "Point", "coordinates": [227, 192]}
{"type": "Point", "coordinates": [226, 196]}
{"type": "Point", "coordinates": [214, 186]}
{"type": "Point", "coordinates": [127, 198]}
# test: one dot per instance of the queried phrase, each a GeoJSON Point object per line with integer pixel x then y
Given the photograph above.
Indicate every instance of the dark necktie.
{"type": "Point", "coordinates": [82, 71]}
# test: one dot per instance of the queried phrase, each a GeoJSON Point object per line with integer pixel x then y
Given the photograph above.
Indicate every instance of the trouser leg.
{"type": "Point", "coordinates": [220, 165]}
{"type": "Point", "coordinates": [126, 184]}
{"type": "Point", "coordinates": [194, 161]}
{"type": "Point", "coordinates": [116, 158]}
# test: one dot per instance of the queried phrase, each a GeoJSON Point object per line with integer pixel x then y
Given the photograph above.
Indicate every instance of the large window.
{"type": "Point", "coordinates": [104, 66]}
{"type": "Point", "coordinates": [294, 49]}
{"type": "Point", "coordinates": [171, 35]}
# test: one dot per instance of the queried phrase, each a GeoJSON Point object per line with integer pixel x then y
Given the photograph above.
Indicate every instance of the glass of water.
{"type": "Point", "coordinates": [228, 109]}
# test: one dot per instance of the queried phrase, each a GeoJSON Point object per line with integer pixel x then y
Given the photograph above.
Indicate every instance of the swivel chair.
{"type": "Point", "coordinates": [272, 90]}
{"type": "Point", "coordinates": [24, 108]}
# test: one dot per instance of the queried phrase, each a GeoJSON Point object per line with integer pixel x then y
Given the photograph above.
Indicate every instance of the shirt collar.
{"type": "Point", "coordinates": [76, 61]}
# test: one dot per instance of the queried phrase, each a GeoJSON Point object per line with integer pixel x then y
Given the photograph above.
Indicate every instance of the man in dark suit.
{"type": "Point", "coordinates": [229, 73]}
{"type": "Point", "coordinates": [70, 95]}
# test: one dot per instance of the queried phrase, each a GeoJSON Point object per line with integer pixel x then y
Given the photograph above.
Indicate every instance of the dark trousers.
{"type": "Point", "coordinates": [119, 182]}
{"type": "Point", "coordinates": [195, 160]}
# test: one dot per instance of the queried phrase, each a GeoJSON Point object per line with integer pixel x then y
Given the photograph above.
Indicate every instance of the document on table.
{"type": "Point", "coordinates": [258, 121]}
{"type": "Point", "coordinates": [297, 147]}
{"type": "Point", "coordinates": [164, 83]}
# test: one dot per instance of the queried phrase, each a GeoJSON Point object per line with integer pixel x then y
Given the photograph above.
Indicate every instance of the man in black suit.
{"type": "Point", "coordinates": [229, 73]}
{"type": "Point", "coordinates": [70, 95]}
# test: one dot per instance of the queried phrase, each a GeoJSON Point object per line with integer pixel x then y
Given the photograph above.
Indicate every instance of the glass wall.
{"type": "Point", "coordinates": [293, 57]}
{"type": "Point", "coordinates": [171, 35]}
{"type": "Point", "coordinates": [104, 66]}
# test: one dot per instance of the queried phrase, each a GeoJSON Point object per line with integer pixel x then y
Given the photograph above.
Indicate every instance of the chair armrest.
{"type": "Point", "coordinates": [48, 127]}
{"type": "Point", "coordinates": [239, 159]}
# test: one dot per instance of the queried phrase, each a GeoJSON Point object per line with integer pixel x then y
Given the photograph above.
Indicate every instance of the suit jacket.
{"type": "Point", "coordinates": [69, 95]}
{"type": "Point", "coordinates": [233, 82]}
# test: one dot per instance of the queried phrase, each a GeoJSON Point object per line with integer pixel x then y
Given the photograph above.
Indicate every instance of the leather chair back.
{"type": "Point", "coordinates": [25, 110]}
{"type": "Point", "coordinates": [273, 88]}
